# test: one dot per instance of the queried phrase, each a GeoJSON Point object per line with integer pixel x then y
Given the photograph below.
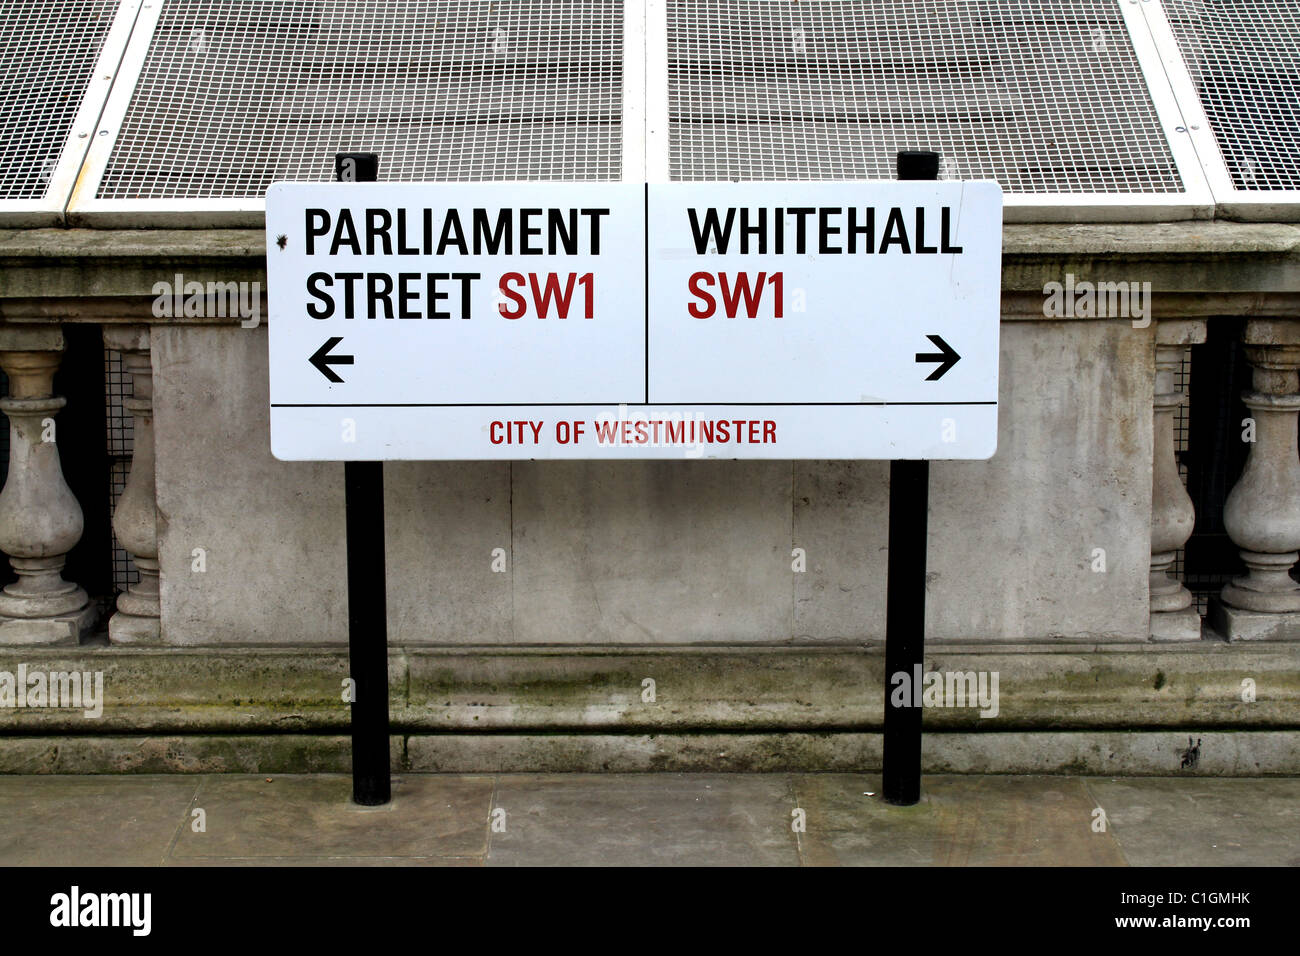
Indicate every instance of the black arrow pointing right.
{"type": "Point", "coordinates": [323, 360]}
{"type": "Point", "coordinates": [946, 355]}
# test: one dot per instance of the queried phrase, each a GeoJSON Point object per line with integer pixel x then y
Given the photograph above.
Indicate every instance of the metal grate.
{"type": "Point", "coordinates": [1182, 429]}
{"type": "Point", "coordinates": [1244, 59]}
{"type": "Point", "coordinates": [121, 432]}
{"type": "Point", "coordinates": [47, 56]}
{"type": "Point", "coordinates": [237, 94]}
{"type": "Point", "coordinates": [1044, 96]}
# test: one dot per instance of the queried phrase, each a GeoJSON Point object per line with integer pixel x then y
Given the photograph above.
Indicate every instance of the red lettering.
{"type": "Point", "coordinates": [710, 304]}
{"type": "Point", "coordinates": [512, 278]}
{"type": "Point", "coordinates": [543, 299]}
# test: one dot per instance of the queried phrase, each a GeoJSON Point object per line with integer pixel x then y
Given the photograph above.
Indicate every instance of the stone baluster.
{"type": "Point", "coordinates": [1262, 514]}
{"type": "Point", "coordinates": [1173, 617]}
{"type": "Point", "coordinates": [135, 519]}
{"type": "Point", "coordinates": [40, 520]}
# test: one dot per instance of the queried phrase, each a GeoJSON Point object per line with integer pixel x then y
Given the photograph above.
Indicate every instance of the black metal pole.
{"type": "Point", "coordinates": [909, 503]}
{"type": "Point", "coordinates": [367, 590]}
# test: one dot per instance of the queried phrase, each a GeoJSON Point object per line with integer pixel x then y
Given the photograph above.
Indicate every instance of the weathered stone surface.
{"type": "Point", "coordinates": [443, 521]}
{"type": "Point", "coordinates": [271, 532]}
{"type": "Point", "coordinates": [314, 817]}
{"type": "Point", "coordinates": [1013, 540]}
{"type": "Point", "coordinates": [92, 821]}
{"type": "Point", "coordinates": [960, 821]}
{"type": "Point", "coordinates": [494, 690]}
{"type": "Point", "coordinates": [1215, 822]}
{"type": "Point", "coordinates": [1242, 625]}
{"type": "Point", "coordinates": [650, 552]}
{"type": "Point", "coordinates": [841, 521]}
{"type": "Point", "coordinates": [645, 820]}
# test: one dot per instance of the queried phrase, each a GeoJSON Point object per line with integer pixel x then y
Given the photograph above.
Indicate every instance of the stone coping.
{"type": "Point", "coordinates": [101, 267]}
{"type": "Point", "coordinates": [503, 690]}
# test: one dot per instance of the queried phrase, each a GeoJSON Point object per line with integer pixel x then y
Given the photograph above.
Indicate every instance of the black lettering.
{"type": "Point", "coordinates": [378, 222]}
{"type": "Point", "coordinates": [900, 239]}
{"type": "Point", "coordinates": [825, 231]}
{"type": "Point", "coordinates": [405, 295]}
{"type": "Point", "coordinates": [345, 224]}
{"type": "Point", "coordinates": [594, 215]}
{"type": "Point", "coordinates": [314, 281]}
{"type": "Point", "coordinates": [484, 238]}
{"type": "Point", "coordinates": [526, 230]}
{"type": "Point", "coordinates": [318, 224]}
{"type": "Point", "coordinates": [721, 234]}
{"type": "Point", "coordinates": [568, 237]}
{"type": "Point", "coordinates": [376, 295]}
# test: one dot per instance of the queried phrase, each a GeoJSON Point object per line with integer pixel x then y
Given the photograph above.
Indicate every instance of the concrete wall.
{"type": "Point", "coordinates": [667, 552]}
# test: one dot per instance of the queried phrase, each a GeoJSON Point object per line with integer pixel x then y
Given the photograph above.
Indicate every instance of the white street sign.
{"type": "Point", "coordinates": [512, 320]}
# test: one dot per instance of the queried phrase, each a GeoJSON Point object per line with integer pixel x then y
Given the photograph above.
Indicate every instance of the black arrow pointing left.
{"type": "Point", "coordinates": [323, 360]}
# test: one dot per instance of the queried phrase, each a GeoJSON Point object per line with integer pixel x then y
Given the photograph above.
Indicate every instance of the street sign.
{"type": "Point", "coordinates": [615, 320]}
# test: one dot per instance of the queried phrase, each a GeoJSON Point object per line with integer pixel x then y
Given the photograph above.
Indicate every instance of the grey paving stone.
{"type": "Point", "coordinates": [313, 816]}
{"type": "Point", "coordinates": [91, 820]}
{"type": "Point", "coordinates": [1163, 821]}
{"type": "Point", "coordinates": [960, 821]}
{"type": "Point", "coordinates": [644, 820]}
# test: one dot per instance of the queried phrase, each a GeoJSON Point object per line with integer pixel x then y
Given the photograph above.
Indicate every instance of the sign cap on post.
{"type": "Point", "coordinates": [918, 164]}
{"type": "Point", "coordinates": [356, 167]}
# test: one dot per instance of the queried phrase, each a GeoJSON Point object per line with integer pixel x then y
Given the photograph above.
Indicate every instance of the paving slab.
{"type": "Point", "coordinates": [313, 816]}
{"type": "Point", "coordinates": [91, 820]}
{"type": "Point", "coordinates": [1166, 821]}
{"type": "Point", "coordinates": [644, 820]}
{"type": "Point", "coordinates": [273, 861]}
{"type": "Point", "coordinates": [960, 821]}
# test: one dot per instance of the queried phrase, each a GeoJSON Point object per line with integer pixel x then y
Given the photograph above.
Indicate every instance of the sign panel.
{"type": "Point", "coordinates": [615, 320]}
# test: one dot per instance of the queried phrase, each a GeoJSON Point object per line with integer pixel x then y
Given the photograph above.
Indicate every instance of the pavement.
{"type": "Point", "coordinates": [648, 819]}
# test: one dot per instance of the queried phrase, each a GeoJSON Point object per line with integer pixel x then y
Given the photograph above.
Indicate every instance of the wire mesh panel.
{"type": "Point", "coordinates": [48, 53]}
{"type": "Point", "coordinates": [237, 94]}
{"type": "Point", "coordinates": [1243, 57]}
{"type": "Point", "coordinates": [121, 434]}
{"type": "Point", "coordinates": [1044, 96]}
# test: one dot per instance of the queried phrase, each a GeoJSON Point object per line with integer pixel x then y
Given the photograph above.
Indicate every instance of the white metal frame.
{"type": "Point", "coordinates": [49, 209]}
{"type": "Point", "coordinates": [85, 209]}
{"type": "Point", "coordinates": [1195, 202]}
{"type": "Point", "coordinates": [645, 139]}
{"type": "Point", "coordinates": [1264, 205]}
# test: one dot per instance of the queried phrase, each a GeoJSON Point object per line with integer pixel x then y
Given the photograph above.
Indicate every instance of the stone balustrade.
{"type": "Point", "coordinates": [41, 521]}
{"type": "Point", "coordinates": [135, 520]}
{"type": "Point", "coordinates": [1173, 617]}
{"type": "Point", "coordinates": [1262, 513]}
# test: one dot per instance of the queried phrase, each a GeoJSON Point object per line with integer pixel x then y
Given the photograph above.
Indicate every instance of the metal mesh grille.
{"type": "Point", "coordinates": [1244, 57]}
{"type": "Point", "coordinates": [1044, 96]}
{"type": "Point", "coordinates": [47, 54]}
{"type": "Point", "coordinates": [237, 94]}
{"type": "Point", "coordinates": [121, 445]}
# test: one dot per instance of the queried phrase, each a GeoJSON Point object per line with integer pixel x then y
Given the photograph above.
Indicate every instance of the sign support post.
{"type": "Point", "coordinates": [909, 503]}
{"type": "Point", "coordinates": [510, 321]}
{"type": "Point", "coordinates": [367, 591]}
